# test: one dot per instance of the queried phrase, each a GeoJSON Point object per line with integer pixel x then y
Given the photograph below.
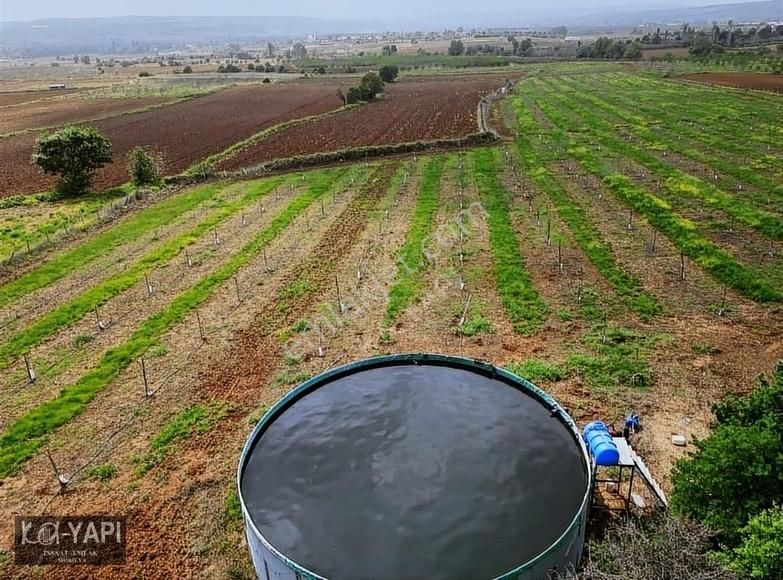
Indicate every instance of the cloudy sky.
{"type": "Point", "coordinates": [393, 11]}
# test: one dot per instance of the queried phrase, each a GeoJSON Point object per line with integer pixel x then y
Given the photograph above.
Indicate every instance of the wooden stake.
{"type": "Point", "coordinates": [200, 326]}
{"type": "Point", "coordinates": [339, 298]}
{"type": "Point", "coordinates": [188, 261]}
{"type": "Point", "coordinates": [31, 376]}
{"type": "Point", "coordinates": [548, 232]}
{"type": "Point", "coordinates": [682, 266]}
{"type": "Point", "coordinates": [559, 256]}
{"type": "Point", "coordinates": [236, 286]}
{"type": "Point", "coordinates": [150, 289]}
{"type": "Point", "coordinates": [144, 377]}
{"type": "Point", "coordinates": [464, 316]}
{"type": "Point", "coordinates": [62, 479]}
{"type": "Point", "coordinates": [722, 307]}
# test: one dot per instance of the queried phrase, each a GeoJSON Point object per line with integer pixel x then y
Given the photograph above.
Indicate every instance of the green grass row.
{"type": "Point", "coordinates": [682, 232]}
{"type": "Point", "coordinates": [22, 438]}
{"type": "Point", "coordinates": [525, 308]}
{"type": "Point", "coordinates": [412, 260]}
{"type": "Point", "coordinates": [72, 311]}
{"type": "Point", "coordinates": [586, 235]}
{"type": "Point", "coordinates": [147, 220]}
{"type": "Point", "coordinates": [677, 182]}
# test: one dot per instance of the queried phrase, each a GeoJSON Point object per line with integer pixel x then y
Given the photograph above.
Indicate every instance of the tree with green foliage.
{"type": "Point", "coordinates": [456, 48]}
{"type": "Point", "coordinates": [353, 96]}
{"type": "Point", "coordinates": [299, 51]}
{"type": "Point", "coordinates": [737, 471]}
{"type": "Point", "coordinates": [144, 166]}
{"type": "Point", "coordinates": [370, 85]}
{"type": "Point", "coordinates": [760, 554]}
{"type": "Point", "coordinates": [523, 48]}
{"type": "Point", "coordinates": [702, 45]}
{"type": "Point", "coordinates": [389, 73]}
{"type": "Point", "coordinates": [73, 153]}
{"type": "Point", "coordinates": [633, 51]}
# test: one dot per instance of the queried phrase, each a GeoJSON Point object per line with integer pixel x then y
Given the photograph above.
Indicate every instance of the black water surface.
{"type": "Point", "coordinates": [414, 472]}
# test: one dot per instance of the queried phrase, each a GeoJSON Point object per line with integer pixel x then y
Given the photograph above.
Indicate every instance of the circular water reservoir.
{"type": "Point", "coordinates": [414, 467]}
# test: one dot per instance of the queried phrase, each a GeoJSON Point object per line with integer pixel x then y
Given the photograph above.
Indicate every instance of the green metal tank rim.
{"type": "Point", "coordinates": [402, 359]}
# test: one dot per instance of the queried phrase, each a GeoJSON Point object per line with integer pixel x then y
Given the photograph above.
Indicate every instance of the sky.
{"type": "Point", "coordinates": [393, 11]}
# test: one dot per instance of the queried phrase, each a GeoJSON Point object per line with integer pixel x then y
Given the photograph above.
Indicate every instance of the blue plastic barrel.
{"type": "Point", "coordinates": [600, 443]}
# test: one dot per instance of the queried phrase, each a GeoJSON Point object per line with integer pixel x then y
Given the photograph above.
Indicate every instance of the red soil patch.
{"type": "Point", "coordinates": [762, 82]}
{"type": "Point", "coordinates": [184, 132]}
{"type": "Point", "coordinates": [53, 112]}
{"type": "Point", "coordinates": [414, 109]}
{"type": "Point", "coordinates": [17, 97]}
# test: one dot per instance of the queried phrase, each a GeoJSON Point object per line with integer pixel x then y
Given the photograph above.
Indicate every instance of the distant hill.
{"type": "Point", "coordinates": [583, 16]}
{"type": "Point", "coordinates": [767, 10]}
{"type": "Point", "coordinates": [143, 33]}
{"type": "Point", "coordinates": [126, 34]}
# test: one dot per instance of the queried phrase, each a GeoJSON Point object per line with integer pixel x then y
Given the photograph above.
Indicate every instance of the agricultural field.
{"type": "Point", "coordinates": [759, 82]}
{"type": "Point", "coordinates": [185, 132]}
{"type": "Point", "coordinates": [414, 109]}
{"type": "Point", "coordinates": [53, 112]}
{"type": "Point", "coordinates": [17, 97]}
{"type": "Point", "coordinates": [617, 248]}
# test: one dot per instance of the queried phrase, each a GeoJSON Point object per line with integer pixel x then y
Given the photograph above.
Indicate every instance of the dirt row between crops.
{"type": "Point", "coordinates": [176, 378]}
{"type": "Point", "coordinates": [756, 81]}
{"type": "Point", "coordinates": [413, 109]}
{"type": "Point", "coordinates": [185, 132]}
{"type": "Point", "coordinates": [124, 312]}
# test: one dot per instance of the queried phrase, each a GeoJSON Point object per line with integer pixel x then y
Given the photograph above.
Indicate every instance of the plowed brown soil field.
{"type": "Point", "coordinates": [762, 82]}
{"type": "Point", "coordinates": [70, 109]}
{"type": "Point", "coordinates": [184, 132]}
{"type": "Point", "coordinates": [413, 109]}
{"type": "Point", "coordinates": [17, 97]}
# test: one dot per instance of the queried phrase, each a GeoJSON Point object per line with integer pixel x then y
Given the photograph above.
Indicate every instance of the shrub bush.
{"type": "Point", "coordinates": [737, 471]}
{"type": "Point", "coordinates": [144, 166]}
